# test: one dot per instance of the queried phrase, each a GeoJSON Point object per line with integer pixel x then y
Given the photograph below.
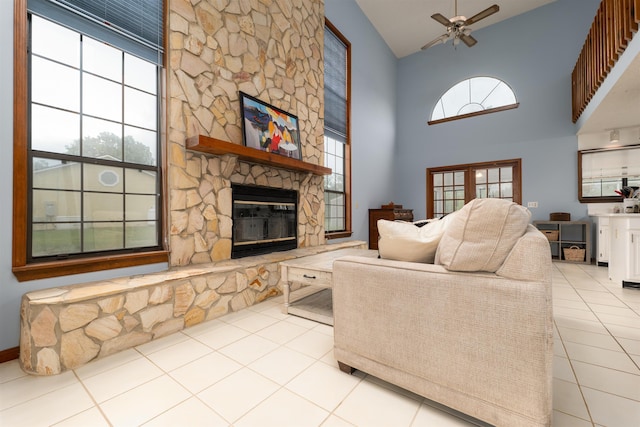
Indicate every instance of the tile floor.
{"type": "Point", "coordinates": [259, 367]}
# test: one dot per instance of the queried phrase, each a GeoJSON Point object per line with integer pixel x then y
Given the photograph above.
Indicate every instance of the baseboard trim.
{"type": "Point", "coordinates": [9, 354]}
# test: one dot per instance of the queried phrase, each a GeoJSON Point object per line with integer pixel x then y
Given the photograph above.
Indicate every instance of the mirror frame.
{"type": "Point", "coordinates": [600, 199]}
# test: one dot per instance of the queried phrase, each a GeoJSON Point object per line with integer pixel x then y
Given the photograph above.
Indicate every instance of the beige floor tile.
{"type": "Point", "coordinates": [324, 385]}
{"type": "Point", "coordinates": [48, 409]}
{"type": "Point", "coordinates": [282, 365]}
{"type": "Point", "coordinates": [145, 402]}
{"type": "Point", "coordinates": [255, 322]}
{"type": "Point", "coordinates": [29, 387]}
{"type": "Point", "coordinates": [305, 323]}
{"type": "Point", "coordinates": [192, 413]}
{"type": "Point", "coordinates": [205, 371]}
{"type": "Point", "coordinates": [574, 314]}
{"type": "Point", "coordinates": [312, 343]}
{"type": "Point", "coordinates": [563, 420]}
{"type": "Point", "coordinates": [334, 421]}
{"type": "Point", "coordinates": [567, 303]}
{"type": "Point", "coordinates": [428, 416]}
{"type": "Point", "coordinates": [221, 335]}
{"type": "Point", "coordinates": [562, 369]}
{"type": "Point", "coordinates": [609, 410]}
{"type": "Point", "coordinates": [170, 358]}
{"type": "Point", "coordinates": [583, 325]}
{"type": "Point", "coordinates": [568, 399]}
{"type": "Point", "coordinates": [91, 417]}
{"type": "Point", "coordinates": [248, 349]}
{"type": "Point", "coordinates": [630, 346]}
{"type": "Point", "coordinates": [618, 311]}
{"type": "Point", "coordinates": [10, 371]}
{"type": "Point", "coordinates": [613, 319]}
{"type": "Point", "coordinates": [589, 338]}
{"type": "Point", "coordinates": [108, 363]}
{"type": "Point", "coordinates": [282, 332]}
{"type": "Point", "coordinates": [237, 394]}
{"type": "Point", "coordinates": [161, 343]}
{"type": "Point", "coordinates": [120, 379]}
{"type": "Point", "coordinates": [294, 412]}
{"type": "Point", "coordinates": [372, 405]}
{"type": "Point", "coordinates": [203, 328]}
{"type": "Point", "coordinates": [608, 380]}
{"type": "Point", "coordinates": [601, 357]}
{"type": "Point", "coordinates": [628, 332]}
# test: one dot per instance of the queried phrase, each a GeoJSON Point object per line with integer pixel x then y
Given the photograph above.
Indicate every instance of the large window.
{"type": "Point", "coordinates": [337, 186]}
{"type": "Point", "coordinates": [450, 187]}
{"type": "Point", "coordinates": [472, 97]}
{"type": "Point", "coordinates": [90, 155]}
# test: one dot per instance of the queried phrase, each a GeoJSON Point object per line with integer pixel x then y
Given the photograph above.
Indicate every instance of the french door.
{"type": "Point", "coordinates": [450, 187]}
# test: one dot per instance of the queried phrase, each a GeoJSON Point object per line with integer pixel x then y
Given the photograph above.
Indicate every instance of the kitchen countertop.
{"type": "Point", "coordinates": [617, 215]}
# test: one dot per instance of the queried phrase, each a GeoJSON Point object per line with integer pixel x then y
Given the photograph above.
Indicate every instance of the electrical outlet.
{"type": "Point", "coordinates": [532, 204]}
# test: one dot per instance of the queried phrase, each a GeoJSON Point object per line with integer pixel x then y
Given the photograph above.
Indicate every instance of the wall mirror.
{"type": "Point", "coordinates": [602, 171]}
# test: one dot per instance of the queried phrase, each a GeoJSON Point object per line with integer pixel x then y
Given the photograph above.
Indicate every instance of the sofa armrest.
{"type": "Point", "coordinates": [487, 335]}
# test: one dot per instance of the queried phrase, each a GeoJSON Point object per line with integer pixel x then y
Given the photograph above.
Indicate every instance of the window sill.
{"type": "Point", "coordinates": [47, 270]}
{"type": "Point", "coordinates": [338, 235]}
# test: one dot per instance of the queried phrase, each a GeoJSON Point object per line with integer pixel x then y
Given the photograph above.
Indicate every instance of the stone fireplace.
{"type": "Point", "coordinates": [264, 220]}
{"type": "Point", "coordinates": [271, 50]}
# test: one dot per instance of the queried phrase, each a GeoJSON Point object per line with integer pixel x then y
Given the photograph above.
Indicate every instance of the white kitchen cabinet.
{"type": "Point", "coordinates": [624, 259]}
{"type": "Point", "coordinates": [603, 240]}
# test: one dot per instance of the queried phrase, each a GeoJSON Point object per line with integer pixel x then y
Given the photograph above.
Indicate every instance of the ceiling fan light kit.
{"type": "Point", "coordinates": [458, 26]}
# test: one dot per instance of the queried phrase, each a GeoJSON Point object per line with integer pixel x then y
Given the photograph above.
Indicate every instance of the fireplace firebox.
{"type": "Point", "coordinates": [264, 220]}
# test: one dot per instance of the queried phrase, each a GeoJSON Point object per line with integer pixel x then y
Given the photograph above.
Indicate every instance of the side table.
{"type": "Point", "coordinates": [314, 270]}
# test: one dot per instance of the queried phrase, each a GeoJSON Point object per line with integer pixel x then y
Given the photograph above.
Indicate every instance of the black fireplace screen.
{"type": "Point", "coordinates": [264, 220]}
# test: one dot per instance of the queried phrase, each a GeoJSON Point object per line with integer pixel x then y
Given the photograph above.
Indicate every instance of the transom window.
{"type": "Point", "coordinates": [474, 96]}
{"type": "Point", "coordinates": [450, 187]}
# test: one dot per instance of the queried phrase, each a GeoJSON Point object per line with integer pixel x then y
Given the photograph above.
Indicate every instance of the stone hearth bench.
{"type": "Point", "coordinates": [65, 327]}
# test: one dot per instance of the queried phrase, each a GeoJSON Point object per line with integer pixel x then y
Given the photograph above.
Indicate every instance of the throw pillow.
{"type": "Point", "coordinates": [404, 241]}
{"type": "Point", "coordinates": [481, 235]}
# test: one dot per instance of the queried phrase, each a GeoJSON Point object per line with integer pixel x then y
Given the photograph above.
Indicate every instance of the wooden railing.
{"type": "Point", "coordinates": [610, 33]}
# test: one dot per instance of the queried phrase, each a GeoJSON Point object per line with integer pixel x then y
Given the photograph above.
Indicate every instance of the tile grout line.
{"type": "Point", "coordinates": [584, 400]}
{"type": "Point", "coordinates": [624, 350]}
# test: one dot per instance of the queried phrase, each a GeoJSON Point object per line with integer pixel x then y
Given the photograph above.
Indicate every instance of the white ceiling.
{"type": "Point", "coordinates": [406, 26]}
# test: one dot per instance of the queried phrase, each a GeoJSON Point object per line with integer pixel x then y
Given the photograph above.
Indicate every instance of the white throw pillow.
{"type": "Point", "coordinates": [482, 234]}
{"type": "Point", "coordinates": [404, 241]}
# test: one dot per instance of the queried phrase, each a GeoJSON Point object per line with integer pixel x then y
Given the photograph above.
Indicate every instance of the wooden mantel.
{"type": "Point", "coordinates": [206, 144]}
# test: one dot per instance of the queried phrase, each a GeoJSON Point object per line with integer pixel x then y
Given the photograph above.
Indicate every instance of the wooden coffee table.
{"type": "Point", "coordinates": [317, 271]}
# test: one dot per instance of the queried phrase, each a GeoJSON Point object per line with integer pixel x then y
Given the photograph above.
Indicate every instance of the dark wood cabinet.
{"type": "Point", "coordinates": [389, 212]}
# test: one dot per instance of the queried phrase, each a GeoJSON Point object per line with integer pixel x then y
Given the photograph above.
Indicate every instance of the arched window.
{"type": "Point", "coordinates": [472, 97]}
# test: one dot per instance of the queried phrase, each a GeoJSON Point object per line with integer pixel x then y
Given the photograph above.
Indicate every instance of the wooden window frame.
{"type": "Point", "coordinates": [21, 268]}
{"type": "Point", "coordinates": [469, 181]}
{"type": "Point", "coordinates": [347, 232]}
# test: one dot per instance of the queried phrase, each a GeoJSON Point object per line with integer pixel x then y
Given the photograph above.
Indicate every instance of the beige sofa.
{"type": "Point", "coordinates": [480, 342]}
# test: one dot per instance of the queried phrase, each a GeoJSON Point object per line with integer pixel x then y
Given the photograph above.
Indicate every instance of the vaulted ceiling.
{"type": "Point", "coordinates": [406, 26]}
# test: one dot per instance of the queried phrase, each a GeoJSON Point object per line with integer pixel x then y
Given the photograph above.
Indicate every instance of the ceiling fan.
{"type": "Point", "coordinates": [458, 26]}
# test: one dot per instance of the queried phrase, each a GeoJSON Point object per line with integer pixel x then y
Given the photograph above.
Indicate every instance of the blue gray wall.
{"type": "Point", "coordinates": [534, 53]}
{"type": "Point", "coordinates": [373, 111]}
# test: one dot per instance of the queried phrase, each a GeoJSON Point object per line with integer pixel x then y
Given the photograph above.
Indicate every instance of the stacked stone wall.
{"type": "Point", "coordinates": [64, 328]}
{"type": "Point", "coordinates": [269, 49]}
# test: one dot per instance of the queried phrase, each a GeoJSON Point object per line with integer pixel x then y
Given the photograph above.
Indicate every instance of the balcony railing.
{"type": "Point", "coordinates": [610, 33]}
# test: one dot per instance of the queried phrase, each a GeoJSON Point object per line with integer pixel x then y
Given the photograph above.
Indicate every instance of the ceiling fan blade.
{"type": "Point", "coordinates": [441, 19]}
{"type": "Point", "coordinates": [468, 40]}
{"type": "Point", "coordinates": [485, 13]}
{"type": "Point", "coordinates": [443, 38]}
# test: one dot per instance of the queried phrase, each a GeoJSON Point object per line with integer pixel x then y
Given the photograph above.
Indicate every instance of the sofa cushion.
{"type": "Point", "coordinates": [404, 241]}
{"type": "Point", "coordinates": [481, 235]}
